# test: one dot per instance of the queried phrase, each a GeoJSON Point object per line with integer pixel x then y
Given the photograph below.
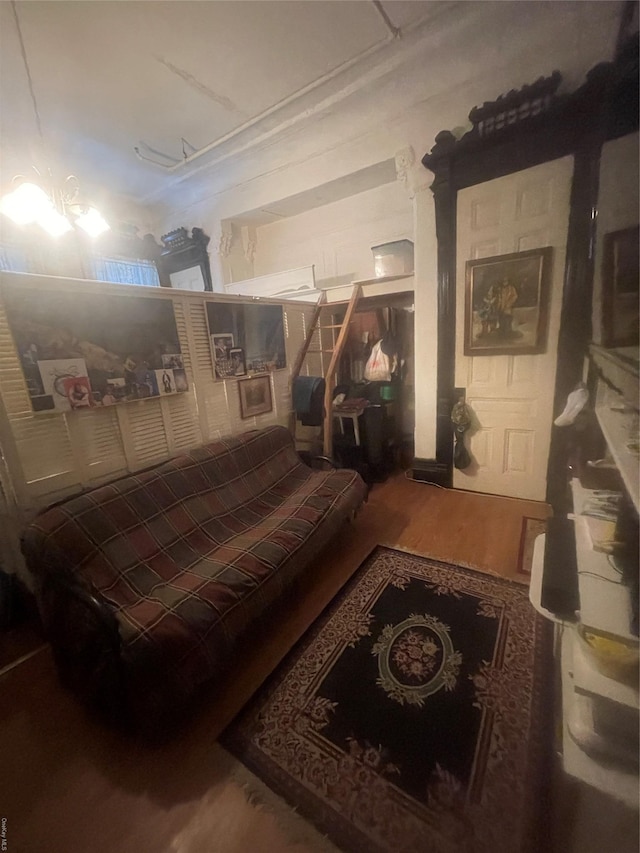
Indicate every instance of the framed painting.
{"type": "Point", "coordinates": [255, 329]}
{"type": "Point", "coordinates": [221, 346]}
{"type": "Point", "coordinates": [85, 350]}
{"type": "Point", "coordinates": [238, 363]}
{"type": "Point", "coordinates": [507, 303]}
{"type": "Point", "coordinates": [620, 292]}
{"type": "Point", "coordinates": [255, 396]}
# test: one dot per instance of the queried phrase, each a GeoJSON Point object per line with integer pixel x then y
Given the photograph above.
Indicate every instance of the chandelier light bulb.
{"type": "Point", "coordinates": [92, 222]}
{"type": "Point", "coordinates": [26, 204]}
{"type": "Point", "coordinates": [29, 202]}
{"type": "Point", "coordinates": [54, 223]}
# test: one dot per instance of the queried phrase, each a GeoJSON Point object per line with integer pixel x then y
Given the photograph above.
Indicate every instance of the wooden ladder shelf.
{"type": "Point", "coordinates": [336, 355]}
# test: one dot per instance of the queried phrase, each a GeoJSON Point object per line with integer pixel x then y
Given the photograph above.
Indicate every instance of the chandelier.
{"type": "Point", "coordinates": [56, 209]}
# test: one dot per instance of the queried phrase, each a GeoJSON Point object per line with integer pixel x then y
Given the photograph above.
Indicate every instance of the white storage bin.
{"type": "Point", "coordinates": [394, 258]}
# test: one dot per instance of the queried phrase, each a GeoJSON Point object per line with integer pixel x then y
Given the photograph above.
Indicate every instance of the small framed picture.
{"type": "Point", "coordinates": [507, 302]}
{"type": "Point", "coordinates": [78, 391]}
{"type": "Point", "coordinates": [172, 360]}
{"type": "Point", "coordinates": [620, 276]}
{"type": "Point", "coordinates": [255, 396]}
{"type": "Point", "coordinates": [238, 365]}
{"type": "Point", "coordinates": [221, 346]}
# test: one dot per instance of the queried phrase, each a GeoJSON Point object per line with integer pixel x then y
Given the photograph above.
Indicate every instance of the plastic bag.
{"type": "Point", "coordinates": [461, 418]}
{"type": "Point", "coordinates": [461, 457]}
{"type": "Point", "coordinates": [377, 368]}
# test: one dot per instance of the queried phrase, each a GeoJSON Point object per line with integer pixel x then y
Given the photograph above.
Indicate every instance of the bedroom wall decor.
{"type": "Point", "coordinates": [255, 396]}
{"type": "Point", "coordinates": [506, 304]}
{"type": "Point", "coordinates": [257, 330]}
{"type": "Point", "coordinates": [81, 350]}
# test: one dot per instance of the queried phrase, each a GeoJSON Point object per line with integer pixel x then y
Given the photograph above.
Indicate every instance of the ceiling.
{"type": "Point", "coordinates": [168, 78]}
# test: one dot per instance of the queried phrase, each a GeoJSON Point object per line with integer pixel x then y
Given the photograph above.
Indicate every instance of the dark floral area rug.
{"type": "Point", "coordinates": [412, 715]}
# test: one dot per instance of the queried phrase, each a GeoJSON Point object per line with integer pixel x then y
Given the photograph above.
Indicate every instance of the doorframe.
{"type": "Point", "coordinates": [525, 128]}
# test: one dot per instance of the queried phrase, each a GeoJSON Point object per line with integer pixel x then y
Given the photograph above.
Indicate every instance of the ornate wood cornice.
{"type": "Point", "coordinates": [180, 241]}
{"type": "Point", "coordinates": [608, 99]}
{"type": "Point", "coordinates": [518, 105]}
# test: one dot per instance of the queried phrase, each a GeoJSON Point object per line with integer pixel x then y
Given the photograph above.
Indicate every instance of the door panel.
{"type": "Point", "coordinates": [512, 396]}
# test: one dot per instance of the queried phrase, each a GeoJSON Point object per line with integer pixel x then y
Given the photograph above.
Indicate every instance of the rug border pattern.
{"type": "Point", "coordinates": [346, 834]}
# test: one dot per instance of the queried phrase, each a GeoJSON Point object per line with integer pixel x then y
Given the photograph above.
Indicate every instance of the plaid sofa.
{"type": "Point", "coordinates": [147, 585]}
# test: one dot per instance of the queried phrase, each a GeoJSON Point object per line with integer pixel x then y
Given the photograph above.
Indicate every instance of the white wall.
{"type": "Point", "coordinates": [337, 238]}
{"type": "Point", "coordinates": [471, 52]}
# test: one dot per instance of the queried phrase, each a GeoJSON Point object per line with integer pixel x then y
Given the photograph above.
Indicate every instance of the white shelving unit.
{"type": "Point", "coordinates": [605, 603]}
{"type": "Point", "coordinates": [600, 717]}
{"type": "Point", "coordinates": [586, 755]}
{"type": "Point", "coordinates": [619, 429]}
{"type": "Point", "coordinates": [579, 745]}
{"type": "Point", "coordinates": [589, 682]}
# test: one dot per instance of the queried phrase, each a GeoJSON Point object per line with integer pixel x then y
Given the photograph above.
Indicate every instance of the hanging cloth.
{"type": "Point", "coordinates": [308, 399]}
{"type": "Point", "coordinates": [461, 419]}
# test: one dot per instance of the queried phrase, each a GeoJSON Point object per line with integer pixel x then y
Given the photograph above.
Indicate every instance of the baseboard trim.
{"type": "Point", "coordinates": [22, 659]}
{"type": "Point", "coordinates": [432, 471]}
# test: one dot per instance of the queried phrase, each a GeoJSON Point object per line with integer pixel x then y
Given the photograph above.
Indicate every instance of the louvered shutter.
{"type": "Point", "coordinates": [52, 455]}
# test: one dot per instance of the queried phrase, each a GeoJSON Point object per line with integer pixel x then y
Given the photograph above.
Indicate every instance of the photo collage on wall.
{"type": "Point", "coordinates": [86, 350]}
{"type": "Point", "coordinates": [246, 339]}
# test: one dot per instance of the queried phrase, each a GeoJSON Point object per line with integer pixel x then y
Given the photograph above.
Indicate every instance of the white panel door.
{"type": "Point", "coordinates": [512, 396]}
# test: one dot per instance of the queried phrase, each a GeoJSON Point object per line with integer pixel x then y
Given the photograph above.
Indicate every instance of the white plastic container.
{"type": "Point", "coordinates": [394, 258]}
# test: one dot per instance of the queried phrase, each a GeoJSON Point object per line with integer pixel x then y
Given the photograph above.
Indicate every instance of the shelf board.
{"type": "Point", "coordinates": [382, 279]}
{"type": "Point", "coordinates": [618, 783]}
{"type": "Point", "coordinates": [588, 680]}
{"type": "Point", "coordinates": [605, 602]}
{"type": "Point", "coordinates": [618, 428]}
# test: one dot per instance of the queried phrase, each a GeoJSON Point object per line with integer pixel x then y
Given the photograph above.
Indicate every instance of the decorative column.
{"type": "Point", "coordinates": [417, 182]}
{"type": "Point", "coordinates": [222, 241]}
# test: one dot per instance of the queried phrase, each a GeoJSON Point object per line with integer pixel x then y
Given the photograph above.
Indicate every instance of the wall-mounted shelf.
{"type": "Point", "coordinates": [382, 279]}
{"type": "Point", "coordinates": [384, 286]}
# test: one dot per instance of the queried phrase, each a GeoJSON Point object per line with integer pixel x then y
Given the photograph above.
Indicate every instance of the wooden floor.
{"type": "Point", "coordinates": [69, 785]}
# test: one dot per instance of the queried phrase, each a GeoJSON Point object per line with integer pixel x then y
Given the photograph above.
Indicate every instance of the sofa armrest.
{"type": "Point", "coordinates": [84, 635]}
{"type": "Point", "coordinates": [326, 459]}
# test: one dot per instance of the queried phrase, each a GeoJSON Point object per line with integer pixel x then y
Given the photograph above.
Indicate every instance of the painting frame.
{"type": "Point", "coordinates": [620, 287]}
{"type": "Point", "coordinates": [88, 349]}
{"type": "Point", "coordinates": [507, 303]}
{"type": "Point", "coordinates": [221, 344]}
{"type": "Point", "coordinates": [257, 328]}
{"type": "Point", "coordinates": [238, 361]}
{"type": "Point", "coordinates": [255, 396]}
